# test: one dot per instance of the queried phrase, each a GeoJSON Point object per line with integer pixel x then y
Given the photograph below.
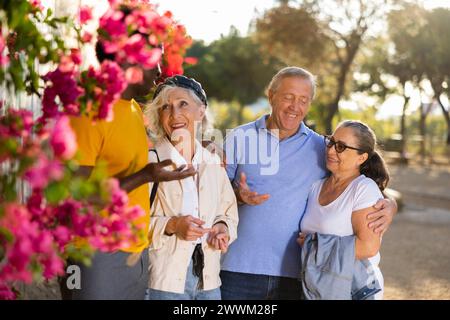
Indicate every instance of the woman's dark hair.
{"type": "Point", "coordinates": [101, 54]}
{"type": "Point", "coordinates": [374, 167]}
{"type": "Point", "coordinates": [99, 49]}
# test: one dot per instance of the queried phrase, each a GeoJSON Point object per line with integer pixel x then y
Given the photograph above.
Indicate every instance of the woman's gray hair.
{"type": "Point", "coordinates": [292, 72]}
{"type": "Point", "coordinates": [152, 112]}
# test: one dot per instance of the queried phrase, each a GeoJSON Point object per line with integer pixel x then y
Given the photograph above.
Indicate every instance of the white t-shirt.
{"type": "Point", "coordinates": [336, 217]}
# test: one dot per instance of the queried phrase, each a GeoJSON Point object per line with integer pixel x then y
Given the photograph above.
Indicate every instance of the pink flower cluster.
{"type": "Point", "coordinates": [32, 246]}
{"type": "Point", "coordinates": [96, 89]}
{"type": "Point", "coordinates": [109, 85]}
{"type": "Point", "coordinates": [62, 84]}
{"type": "Point", "coordinates": [63, 140]}
{"type": "Point", "coordinates": [18, 123]}
{"type": "Point", "coordinates": [34, 236]}
{"type": "Point", "coordinates": [115, 231]}
{"type": "Point", "coordinates": [4, 59]}
{"type": "Point", "coordinates": [85, 14]}
{"type": "Point", "coordinates": [136, 34]}
{"type": "Point", "coordinates": [37, 4]}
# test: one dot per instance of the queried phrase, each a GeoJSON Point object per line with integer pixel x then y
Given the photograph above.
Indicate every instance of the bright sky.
{"type": "Point", "coordinates": [208, 19]}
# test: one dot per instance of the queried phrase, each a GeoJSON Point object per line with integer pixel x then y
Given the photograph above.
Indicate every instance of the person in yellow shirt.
{"type": "Point", "coordinates": [122, 144]}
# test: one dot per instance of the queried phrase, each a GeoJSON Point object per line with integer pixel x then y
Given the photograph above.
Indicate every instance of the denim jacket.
{"type": "Point", "coordinates": [329, 270]}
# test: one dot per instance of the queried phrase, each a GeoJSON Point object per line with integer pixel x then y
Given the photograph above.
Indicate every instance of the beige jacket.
{"type": "Point", "coordinates": [170, 256]}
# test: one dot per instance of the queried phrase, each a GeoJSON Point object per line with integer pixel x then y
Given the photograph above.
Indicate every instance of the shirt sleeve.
{"type": "Point", "coordinates": [367, 194]}
{"type": "Point", "coordinates": [229, 148]}
{"type": "Point", "coordinates": [90, 137]}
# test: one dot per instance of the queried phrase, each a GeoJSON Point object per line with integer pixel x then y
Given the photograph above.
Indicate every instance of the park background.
{"type": "Point", "coordinates": [386, 63]}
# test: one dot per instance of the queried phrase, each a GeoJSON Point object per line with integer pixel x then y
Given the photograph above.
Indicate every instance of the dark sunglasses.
{"type": "Point", "coordinates": [183, 82]}
{"type": "Point", "coordinates": [338, 146]}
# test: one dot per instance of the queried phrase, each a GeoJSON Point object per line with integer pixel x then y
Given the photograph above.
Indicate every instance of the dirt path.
{"type": "Point", "coordinates": [415, 255]}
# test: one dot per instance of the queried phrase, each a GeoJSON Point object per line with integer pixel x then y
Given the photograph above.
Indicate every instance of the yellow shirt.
{"type": "Point", "coordinates": [121, 143]}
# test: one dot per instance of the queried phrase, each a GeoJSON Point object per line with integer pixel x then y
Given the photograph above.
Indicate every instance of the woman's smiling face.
{"type": "Point", "coordinates": [181, 113]}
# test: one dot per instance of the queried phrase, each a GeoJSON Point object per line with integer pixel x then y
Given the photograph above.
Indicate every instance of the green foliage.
{"type": "Point", "coordinates": [232, 69]}
{"type": "Point", "coordinates": [225, 114]}
{"type": "Point", "coordinates": [323, 36]}
{"type": "Point", "coordinates": [28, 45]}
{"type": "Point", "coordinates": [293, 35]}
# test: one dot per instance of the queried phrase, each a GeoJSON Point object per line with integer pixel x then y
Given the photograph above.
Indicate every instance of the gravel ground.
{"type": "Point", "coordinates": [415, 255]}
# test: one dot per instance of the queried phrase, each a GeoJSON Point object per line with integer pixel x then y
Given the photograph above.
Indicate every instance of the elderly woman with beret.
{"type": "Point", "coordinates": [195, 219]}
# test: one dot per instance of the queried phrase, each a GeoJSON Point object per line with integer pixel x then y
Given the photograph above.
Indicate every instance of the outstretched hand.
{"type": "Point", "coordinates": [244, 194]}
{"type": "Point", "coordinates": [156, 171]}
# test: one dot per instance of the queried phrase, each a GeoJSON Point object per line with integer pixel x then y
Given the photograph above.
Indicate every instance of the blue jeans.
{"type": "Point", "coordinates": [246, 286]}
{"type": "Point", "coordinates": [191, 291]}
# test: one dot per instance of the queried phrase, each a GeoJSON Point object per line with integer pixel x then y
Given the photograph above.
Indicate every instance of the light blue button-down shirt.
{"type": "Point", "coordinates": [285, 169]}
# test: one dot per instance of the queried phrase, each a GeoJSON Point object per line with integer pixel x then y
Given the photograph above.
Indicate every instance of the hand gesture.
{"type": "Point", "coordinates": [218, 237]}
{"type": "Point", "coordinates": [186, 228]}
{"type": "Point", "coordinates": [245, 195]}
{"type": "Point", "coordinates": [156, 173]}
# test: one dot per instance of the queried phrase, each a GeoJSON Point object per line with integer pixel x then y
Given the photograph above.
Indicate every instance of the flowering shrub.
{"type": "Point", "coordinates": [36, 236]}
{"type": "Point", "coordinates": [38, 232]}
{"type": "Point", "coordinates": [136, 34]}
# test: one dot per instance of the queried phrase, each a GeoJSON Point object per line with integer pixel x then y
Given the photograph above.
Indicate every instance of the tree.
{"type": "Point", "coordinates": [403, 64]}
{"type": "Point", "coordinates": [232, 69]}
{"type": "Point", "coordinates": [325, 36]}
{"type": "Point", "coordinates": [437, 58]}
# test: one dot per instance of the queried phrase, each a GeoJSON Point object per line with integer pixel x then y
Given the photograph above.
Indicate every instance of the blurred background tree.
{"type": "Point", "coordinates": [372, 59]}
{"type": "Point", "coordinates": [327, 35]}
{"type": "Point", "coordinates": [232, 69]}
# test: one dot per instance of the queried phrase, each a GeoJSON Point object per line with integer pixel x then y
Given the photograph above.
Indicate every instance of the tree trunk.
{"type": "Point", "coordinates": [332, 110]}
{"type": "Point", "coordinates": [422, 132]}
{"type": "Point", "coordinates": [333, 107]}
{"type": "Point", "coordinates": [403, 158]}
{"type": "Point", "coordinates": [240, 117]}
{"type": "Point", "coordinates": [425, 109]}
{"type": "Point", "coordinates": [447, 118]}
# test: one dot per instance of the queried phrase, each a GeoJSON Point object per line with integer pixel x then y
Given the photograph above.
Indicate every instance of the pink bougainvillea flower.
{"type": "Point", "coordinates": [6, 293]}
{"type": "Point", "coordinates": [112, 22]}
{"type": "Point", "coordinates": [3, 57]}
{"type": "Point", "coordinates": [85, 14]}
{"type": "Point", "coordinates": [86, 37]}
{"type": "Point", "coordinates": [17, 123]}
{"type": "Point", "coordinates": [37, 4]}
{"type": "Point", "coordinates": [62, 139]}
{"type": "Point", "coordinates": [110, 79]}
{"type": "Point", "coordinates": [134, 75]}
{"type": "Point", "coordinates": [62, 83]}
{"type": "Point", "coordinates": [43, 171]}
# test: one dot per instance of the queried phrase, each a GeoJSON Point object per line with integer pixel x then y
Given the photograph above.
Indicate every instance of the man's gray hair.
{"type": "Point", "coordinates": [152, 112]}
{"type": "Point", "coordinates": [292, 72]}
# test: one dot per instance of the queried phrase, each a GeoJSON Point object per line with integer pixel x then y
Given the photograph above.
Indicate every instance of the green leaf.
{"type": "Point", "coordinates": [56, 192]}
{"type": "Point", "coordinates": [81, 189]}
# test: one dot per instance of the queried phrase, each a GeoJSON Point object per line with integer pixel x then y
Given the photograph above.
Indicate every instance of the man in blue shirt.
{"type": "Point", "coordinates": [272, 163]}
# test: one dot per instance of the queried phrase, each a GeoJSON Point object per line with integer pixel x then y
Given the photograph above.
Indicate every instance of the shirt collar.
{"type": "Point", "coordinates": [261, 124]}
{"type": "Point", "coordinates": [170, 152]}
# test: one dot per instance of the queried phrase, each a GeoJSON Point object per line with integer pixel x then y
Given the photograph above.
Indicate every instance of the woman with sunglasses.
{"type": "Point", "coordinates": [339, 204]}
